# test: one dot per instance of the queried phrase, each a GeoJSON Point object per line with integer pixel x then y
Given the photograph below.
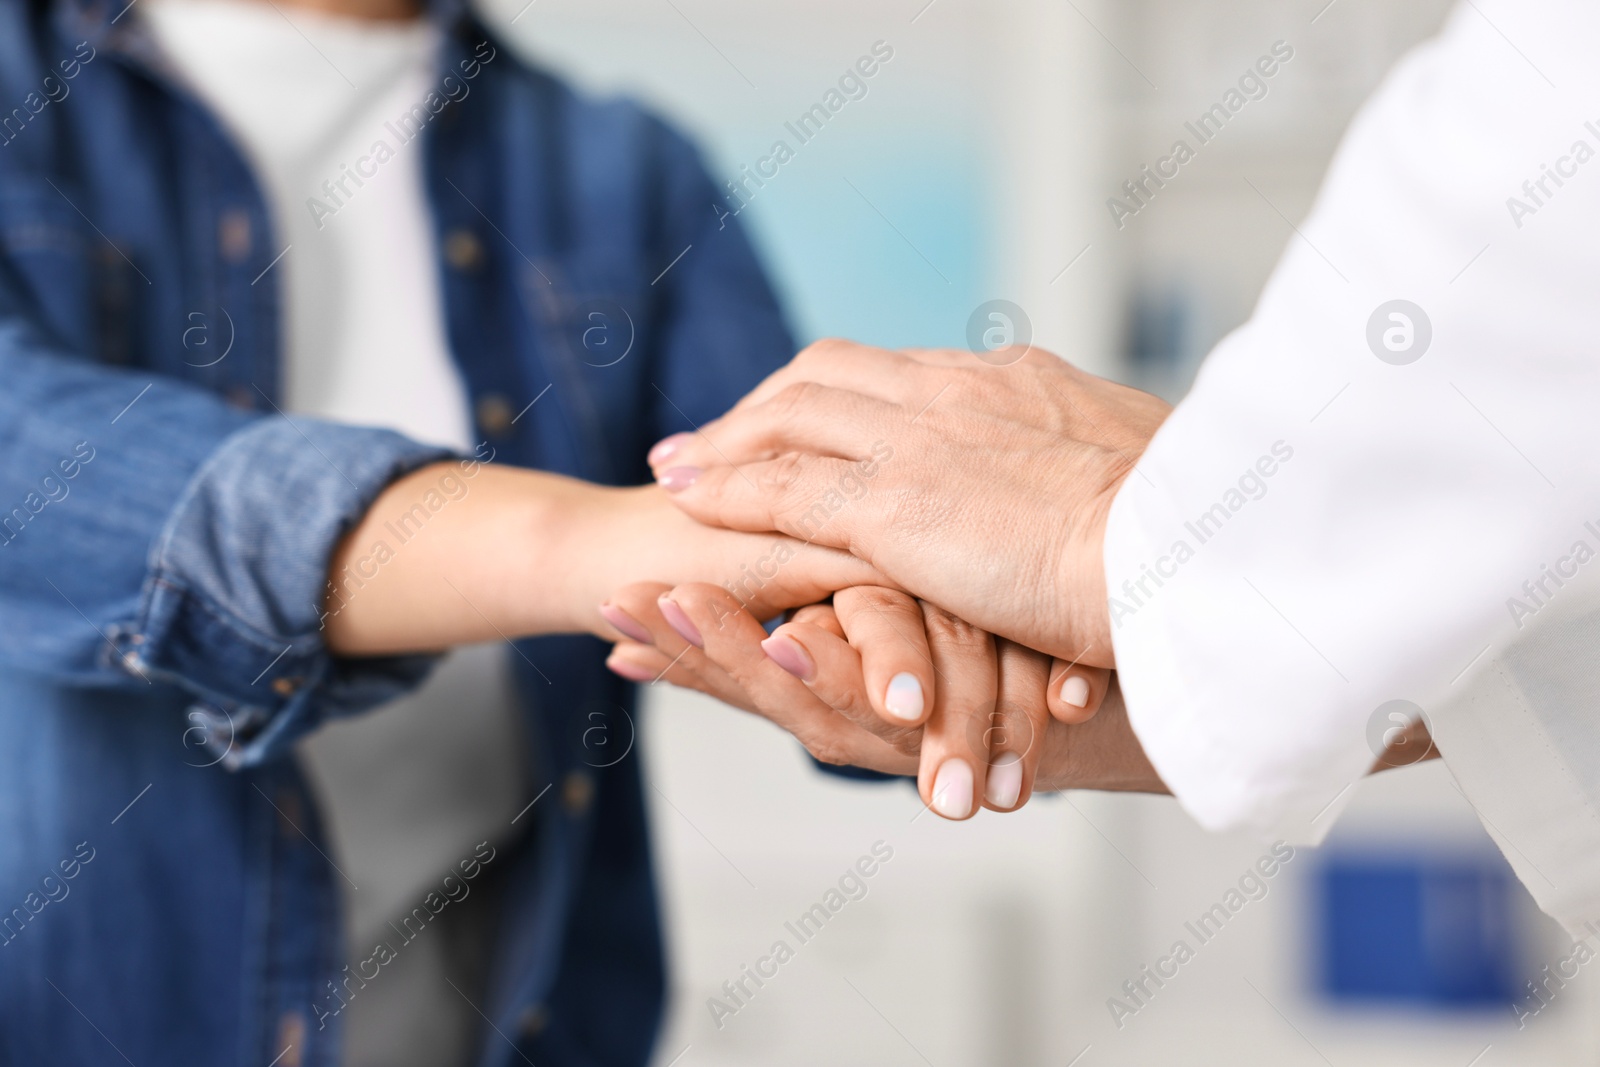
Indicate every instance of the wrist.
{"type": "Point", "coordinates": [581, 531]}
{"type": "Point", "coordinates": [605, 538]}
{"type": "Point", "coordinates": [1102, 754]}
{"type": "Point", "coordinates": [452, 553]}
{"type": "Point", "coordinates": [1080, 596]}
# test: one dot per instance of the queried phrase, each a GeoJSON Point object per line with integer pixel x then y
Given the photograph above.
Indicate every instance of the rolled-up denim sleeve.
{"type": "Point", "coordinates": [231, 608]}
{"type": "Point", "coordinates": [151, 534]}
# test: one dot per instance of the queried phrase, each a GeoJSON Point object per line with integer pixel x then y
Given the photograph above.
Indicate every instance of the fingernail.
{"type": "Point", "coordinates": [1005, 781]}
{"type": "Point", "coordinates": [787, 653]}
{"type": "Point", "coordinates": [665, 449]}
{"type": "Point", "coordinates": [904, 697]}
{"type": "Point", "coordinates": [681, 622]}
{"type": "Point", "coordinates": [677, 479]}
{"type": "Point", "coordinates": [952, 789]}
{"type": "Point", "coordinates": [625, 623]}
{"type": "Point", "coordinates": [631, 671]}
{"type": "Point", "coordinates": [1075, 691]}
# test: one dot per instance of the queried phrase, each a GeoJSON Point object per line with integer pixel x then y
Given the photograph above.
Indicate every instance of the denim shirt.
{"type": "Point", "coordinates": [165, 895]}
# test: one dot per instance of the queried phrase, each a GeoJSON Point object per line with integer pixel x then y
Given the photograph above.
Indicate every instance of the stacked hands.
{"type": "Point", "coordinates": [932, 523]}
{"type": "Point", "coordinates": [971, 646]}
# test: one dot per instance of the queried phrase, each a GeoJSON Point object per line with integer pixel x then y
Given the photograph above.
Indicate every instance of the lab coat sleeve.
{"type": "Point", "coordinates": [1352, 508]}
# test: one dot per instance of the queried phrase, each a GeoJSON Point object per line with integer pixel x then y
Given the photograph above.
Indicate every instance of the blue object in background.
{"type": "Point", "coordinates": [1417, 931]}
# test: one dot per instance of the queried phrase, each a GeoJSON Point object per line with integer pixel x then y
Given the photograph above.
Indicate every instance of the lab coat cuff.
{"type": "Point", "coordinates": [1184, 723]}
{"type": "Point", "coordinates": [1512, 768]}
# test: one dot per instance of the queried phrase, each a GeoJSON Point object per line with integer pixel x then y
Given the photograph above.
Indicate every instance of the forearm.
{"type": "Point", "coordinates": [446, 557]}
{"type": "Point", "coordinates": [1105, 754]}
{"type": "Point", "coordinates": [456, 553]}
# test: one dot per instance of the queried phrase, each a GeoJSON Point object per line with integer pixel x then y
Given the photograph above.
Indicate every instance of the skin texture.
{"type": "Point", "coordinates": [505, 552]}
{"type": "Point", "coordinates": [373, 10]}
{"type": "Point", "coordinates": [836, 717]}
{"type": "Point", "coordinates": [982, 488]}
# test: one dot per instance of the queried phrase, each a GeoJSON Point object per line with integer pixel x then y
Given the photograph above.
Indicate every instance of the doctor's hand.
{"type": "Point", "coordinates": [981, 488]}
{"type": "Point", "coordinates": [972, 712]}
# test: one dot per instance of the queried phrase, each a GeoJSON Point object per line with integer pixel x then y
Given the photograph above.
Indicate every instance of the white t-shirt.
{"type": "Point", "coordinates": [408, 789]}
{"type": "Point", "coordinates": [1384, 488]}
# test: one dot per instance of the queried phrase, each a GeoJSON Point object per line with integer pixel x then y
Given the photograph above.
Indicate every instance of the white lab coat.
{"type": "Point", "coordinates": [1385, 555]}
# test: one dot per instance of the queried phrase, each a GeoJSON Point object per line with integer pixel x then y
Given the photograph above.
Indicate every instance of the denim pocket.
{"type": "Point", "coordinates": [85, 285]}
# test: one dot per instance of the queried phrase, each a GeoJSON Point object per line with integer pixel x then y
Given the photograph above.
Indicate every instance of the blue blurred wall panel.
{"type": "Point", "coordinates": [1423, 931]}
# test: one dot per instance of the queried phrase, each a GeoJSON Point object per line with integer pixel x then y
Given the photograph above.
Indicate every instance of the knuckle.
{"type": "Point", "coordinates": [793, 399]}
{"type": "Point", "coordinates": [822, 616]}
{"type": "Point", "coordinates": [826, 748]}
{"type": "Point", "coordinates": [782, 476]}
{"type": "Point", "coordinates": [907, 742]}
{"type": "Point", "coordinates": [948, 630]}
{"type": "Point", "coordinates": [820, 351]}
{"type": "Point", "coordinates": [704, 598]}
{"type": "Point", "coordinates": [875, 598]}
{"type": "Point", "coordinates": [852, 704]}
{"type": "Point", "coordinates": [847, 700]}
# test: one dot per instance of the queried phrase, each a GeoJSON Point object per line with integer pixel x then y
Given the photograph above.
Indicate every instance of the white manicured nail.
{"type": "Point", "coordinates": [1005, 781]}
{"type": "Point", "coordinates": [1075, 691]}
{"type": "Point", "coordinates": [904, 697]}
{"type": "Point", "coordinates": [952, 789]}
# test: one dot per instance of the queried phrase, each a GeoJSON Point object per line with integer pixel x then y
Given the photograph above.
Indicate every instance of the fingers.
{"type": "Point", "coordinates": [886, 627]}
{"type": "Point", "coordinates": [788, 573]}
{"type": "Point", "coordinates": [655, 651]}
{"type": "Point", "coordinates": [831, 670]}
{"type": "Point", "coordinates": [955, 758]}
{"type": "Point", "coordinates": [646, 665]}
{"type": "Point", "coordinates": [1075, 692]}
{"type": "Point", "coordinates": [802, 417]}
{"type": "Point", "coordinates": [821, 615]}
{"type": "Point", "coordinates": [839, 363]}
{"type": "Point", "coordinates": [1016, 734]}
{"type": "Point", "coordinates": [816, 499]}
{"type": "Point", "coordinates": [841, 366]}
{"type": "Point", "coordinates": [731, 638]}
{"type": "Point", "coordinates": [654, 540]}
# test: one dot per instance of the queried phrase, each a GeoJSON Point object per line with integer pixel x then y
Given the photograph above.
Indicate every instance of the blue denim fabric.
{"type": "Point", "coordinates": [164, 893]}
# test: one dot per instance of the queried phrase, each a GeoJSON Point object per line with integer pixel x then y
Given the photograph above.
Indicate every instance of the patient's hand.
{"type": "Point", "coordinates": [513, 553]}
{"type": "Point", "coordinates": [877, 680]}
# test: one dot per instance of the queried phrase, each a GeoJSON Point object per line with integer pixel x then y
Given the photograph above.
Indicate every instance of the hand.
{"type": "Point", "coordinates": [460, 552]}
{"type": "Point", "coordinates": [984, 489]}
{"type": "Point", "coordinates": [835, 675]}
{"type": "Point", "coordinates": [677, 651]}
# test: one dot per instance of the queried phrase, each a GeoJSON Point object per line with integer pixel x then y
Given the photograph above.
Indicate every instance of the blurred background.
{"type": "Point", "coordinates": [977, 167]}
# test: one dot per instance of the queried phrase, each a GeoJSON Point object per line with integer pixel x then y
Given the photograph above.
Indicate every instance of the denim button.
{"type": "Point", "coordinates": [463, 250]}
{"type": "Point", "coordinates": [288, 805]}
{"type": "Point", "coordinates": [533, 1020]}
{"type": "Point", "coordinates": [233, 236]}
{"type": "Point", "coordinates": [494, 414]}
{"type": "Point", "coordinates": [288, 686]}
{"type": "Point", "coordinates": [291, 1038]}
{"type": "Point", "coordinates": [577, 793]}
